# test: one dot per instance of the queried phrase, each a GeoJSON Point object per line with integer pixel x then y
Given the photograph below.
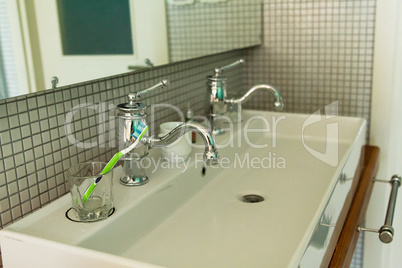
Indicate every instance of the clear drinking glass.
{"type": "Point", "coordinates": [99, 204]}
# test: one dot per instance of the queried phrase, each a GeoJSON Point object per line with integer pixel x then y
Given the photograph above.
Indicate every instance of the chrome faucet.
{"type": "Point", "coordinates": [211, 155]}
{"type": "Point", "coordinates": [216, 93]}
{"type": "Point", "coordinates": [130, 116]}
{"type": "Point", "coordinates": [278, 103]}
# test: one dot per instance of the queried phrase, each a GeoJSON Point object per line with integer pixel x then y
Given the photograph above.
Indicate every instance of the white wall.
{"type": "Point", "coordinates": [386, 131]}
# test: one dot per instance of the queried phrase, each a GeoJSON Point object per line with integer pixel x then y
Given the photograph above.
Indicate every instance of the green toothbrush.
{"type": "Point", "coordinates": [138, 134]}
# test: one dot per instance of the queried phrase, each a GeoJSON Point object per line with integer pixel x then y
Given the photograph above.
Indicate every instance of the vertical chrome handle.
{"type": "Point", "coordinates": [386, 232]}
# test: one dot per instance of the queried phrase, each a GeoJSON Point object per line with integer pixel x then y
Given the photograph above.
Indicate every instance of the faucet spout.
{"type": "Point", "coordinates": [278, 103]}
{"type": "Point", "coordinates": [211, 156]}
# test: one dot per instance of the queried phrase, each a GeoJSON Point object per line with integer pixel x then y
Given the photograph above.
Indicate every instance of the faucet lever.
{"type": "Point", "coordinates": [133, 97]}
{"type": "Point", "coordinates": [218, 71]}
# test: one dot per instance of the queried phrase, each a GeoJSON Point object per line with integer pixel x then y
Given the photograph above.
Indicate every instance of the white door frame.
{"type": "Point", "coordinates": [386, 131]}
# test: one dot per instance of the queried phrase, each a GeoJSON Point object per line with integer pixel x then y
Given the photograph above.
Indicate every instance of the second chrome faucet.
{"type": "Point", "coordinates": [217, 100]}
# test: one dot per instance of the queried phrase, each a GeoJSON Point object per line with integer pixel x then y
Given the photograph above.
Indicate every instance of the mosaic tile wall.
{"type": "Point", "coordinates": [316, 52]}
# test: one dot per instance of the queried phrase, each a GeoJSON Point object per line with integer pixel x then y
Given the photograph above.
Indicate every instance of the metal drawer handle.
{"type": "Point", "coordinates": [386, 232]}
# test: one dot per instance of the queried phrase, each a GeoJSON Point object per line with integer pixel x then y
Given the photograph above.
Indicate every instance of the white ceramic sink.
{"type": "Point", "coordinates": [183, 219]}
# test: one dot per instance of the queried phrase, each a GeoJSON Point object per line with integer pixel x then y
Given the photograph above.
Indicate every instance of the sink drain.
{"type": "Point", "coordinates": [252, 198]}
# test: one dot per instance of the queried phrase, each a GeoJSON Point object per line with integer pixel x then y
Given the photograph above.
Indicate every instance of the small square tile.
{"type": "Point", "coordinates": [5, 203]}
{"type": "Point", "coordinates": [21, 172]}
{"type": "Point", "coordinates": [43, 112]}
{"type": "Point", "coordinates": [29, 155]}
{"type": "Point", "coordinates": [7, 150]}
{"type": "Point", "coordinates": [44, 198]}
{"type": "Point", "coordinates": [24, 118]}
{"type": "Point", "coordinates": [50, 98]}
{"type": "Point", "coordinates": [37, 140]}
{"type": "Point", "coordinates": [53, 194]}
{"type": "Point", "coordinates": [44, 125]}
{"type": "Point", "coordinates": [2, 178]}
{"type": "Point", "coordinates": [17, 146]}
{"type": "Point", "coordinates": [35, 203]}
{"type": "Point", "coordinates": [50, 171]}
{"type": "Point", "coordinates": [41, 100]}
{"type": "Point", "coordinates": [22, 106]}
{"type": "Point", "coordinates": [47, 149]}
{"type": "Point", "coordinates": [40, 164]}
{"type": "Point", "coordinates": [58, 96]}
{"type": "Point", "coordinates": [5, 217]}
{"type": "Point", "coordinates": [9, 162]}
{"type": "Point", "coordinates": [30, 167]}
{"type": "Point", "coordinates": [14, 200]}
{"type": "Point", "coordinates": [34, 191]}
{"type": "Point", "coordinates": [11, 175]}
{"type": "Point", "coordinates": [51, 110]}
{"type": "Point", "coordinates": [74, 92]}
{"type": "Point", "coordinates": [33, 115]}
{"type": "Point", "coordinates": [5, 137]}
{"type": "Point", "coordinates": [41, 175]}
{"type": "Point", "coordinates": [12, 108]}
{"type": "Point", "coordinates": [26, 131]}
{"type": "Point", "coordinates": [16, 213]}
{"type": "Point", "coordinates": [26, 208]}
{"type": "Point", "coordinates": [15, 134]}
{"type": "Point", "coordinates": [3, 110]}
{"type": "Point", "coordinates": [32, 103]}
{"type": "Point", "coordinates": [24, 195]}
{"type": "Point", "coordinates": [12, 188]}
{"type": "Point", "coordinates": [13, 121]}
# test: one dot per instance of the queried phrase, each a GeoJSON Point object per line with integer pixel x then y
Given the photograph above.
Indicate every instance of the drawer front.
{"type": "Point", "coordinates": [321, 237]}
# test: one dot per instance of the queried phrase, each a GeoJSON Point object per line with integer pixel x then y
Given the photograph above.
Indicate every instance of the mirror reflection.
{"type": "Point", "coordinates": [80, 40]}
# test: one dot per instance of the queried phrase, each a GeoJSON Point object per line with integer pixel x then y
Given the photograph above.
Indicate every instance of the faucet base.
{"type": "Point", "coordinates": [134, 172]}
{"type": "Point", "coordinates": [137, 181]}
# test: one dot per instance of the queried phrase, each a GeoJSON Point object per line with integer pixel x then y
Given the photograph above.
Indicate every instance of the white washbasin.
{"type": "Point", "coordinates": [183, 219]}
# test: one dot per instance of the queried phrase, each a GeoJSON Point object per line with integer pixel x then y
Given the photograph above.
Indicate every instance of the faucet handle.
{"type": "Point", "coordinates": [133, 97]}
{"type": "Point", "coordinates": [218, 71]}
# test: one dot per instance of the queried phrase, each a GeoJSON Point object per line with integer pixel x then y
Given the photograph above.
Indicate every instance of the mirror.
{"type": "Point", "coordinates": [44, 35]}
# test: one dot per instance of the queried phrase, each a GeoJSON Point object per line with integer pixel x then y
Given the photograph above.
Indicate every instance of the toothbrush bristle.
{"type": "Point", "coordinates": [138, 130]}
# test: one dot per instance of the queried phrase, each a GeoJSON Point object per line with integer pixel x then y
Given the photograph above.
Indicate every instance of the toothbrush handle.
{"type": "Point", "coordinates": [106, 169]}
{"type": "Point", "coordinates": [89, 191]}
{"type": "Point", "coordinates": [112, 162]}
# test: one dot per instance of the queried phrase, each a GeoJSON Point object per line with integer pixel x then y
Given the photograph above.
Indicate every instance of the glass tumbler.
{"type": "Point", "coordinates": [99, 204]}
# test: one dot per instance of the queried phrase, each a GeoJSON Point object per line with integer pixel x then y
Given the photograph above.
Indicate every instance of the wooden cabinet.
{"type": "Point", "coordinates": [343, 252]}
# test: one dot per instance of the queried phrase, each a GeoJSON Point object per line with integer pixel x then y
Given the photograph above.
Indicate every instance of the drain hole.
{"type": "Point", "coordinates": [252, 198]}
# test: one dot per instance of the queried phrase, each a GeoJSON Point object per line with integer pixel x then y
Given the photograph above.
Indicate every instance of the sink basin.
{"type": "Point", "coordinates": [184, 219]}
